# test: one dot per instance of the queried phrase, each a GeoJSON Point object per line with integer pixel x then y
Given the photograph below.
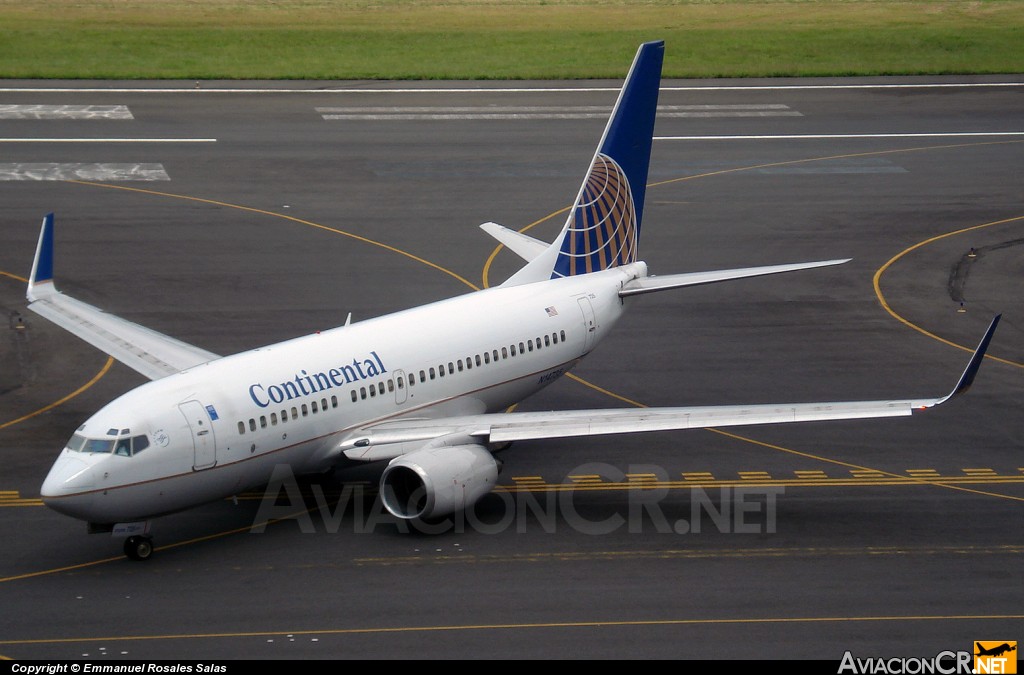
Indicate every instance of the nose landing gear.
{"type": "Point", "coordinates": [138, 547]}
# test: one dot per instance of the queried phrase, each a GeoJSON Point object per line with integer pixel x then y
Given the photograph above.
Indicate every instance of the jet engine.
{"type": "Point", "coordinates": [436, 481]}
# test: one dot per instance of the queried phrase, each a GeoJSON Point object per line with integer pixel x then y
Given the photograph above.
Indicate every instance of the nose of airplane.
{"type": "Point", "coordinates": [68, 478]}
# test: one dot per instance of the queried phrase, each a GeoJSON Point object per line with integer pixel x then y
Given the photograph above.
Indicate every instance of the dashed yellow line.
{"type": "Point", "coordinates": [817, 473]}
{"type": "Point", "coordinates": [867, 473]}
{"type": "Point", "coordinates": [688, 480]}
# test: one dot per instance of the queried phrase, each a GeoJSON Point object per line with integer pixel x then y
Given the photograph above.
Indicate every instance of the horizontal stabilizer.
{"type": "Point", "coordinates": [668, 281]}
{"type": "Point", "coordinates": [524, 246]}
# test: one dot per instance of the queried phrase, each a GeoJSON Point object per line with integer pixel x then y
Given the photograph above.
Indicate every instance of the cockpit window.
{"type": "Point", "coordinates": [123, 447]}
{"type": "Point", "coordinates": [139, 443]}
{"type": "Point", "coordinates": [98, 445]}
{"type": "Point", "coordinates": [126, 447]}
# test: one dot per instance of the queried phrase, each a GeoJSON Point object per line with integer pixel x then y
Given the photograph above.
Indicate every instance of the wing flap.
{"type": "Point", "coordinates": [531, 426]}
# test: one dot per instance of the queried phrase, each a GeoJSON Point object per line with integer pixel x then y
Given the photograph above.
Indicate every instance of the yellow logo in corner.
{"type": "Point", "coordinates": [995, 657]}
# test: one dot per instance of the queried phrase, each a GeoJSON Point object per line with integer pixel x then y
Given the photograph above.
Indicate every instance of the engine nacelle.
{"type": "Point", "coordinates": [437, 481]}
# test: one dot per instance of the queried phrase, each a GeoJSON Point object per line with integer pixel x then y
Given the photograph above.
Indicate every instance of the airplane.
{"type": "Point", "coordinates": [426, 390]}
{"type": "Point", "coordinates": [995, 651]}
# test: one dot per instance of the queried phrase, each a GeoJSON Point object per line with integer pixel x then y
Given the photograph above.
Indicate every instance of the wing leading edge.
{"type": "Point", "coordinates": [146, 351]}
{"type": "Point", "coordinates": [388, 440]}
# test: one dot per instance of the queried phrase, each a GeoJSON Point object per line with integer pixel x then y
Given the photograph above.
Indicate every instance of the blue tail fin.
{"type": "Point", "coordinates": [603, 228]}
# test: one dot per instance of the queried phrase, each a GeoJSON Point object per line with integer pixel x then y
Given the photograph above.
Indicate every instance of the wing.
{"type": "Point", "coordinates": [391, 439]}
{"type": "Point", "coordinates": [152, 354]}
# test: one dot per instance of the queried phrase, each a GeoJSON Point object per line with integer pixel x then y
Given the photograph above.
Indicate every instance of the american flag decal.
{"type": "Point", "coordinates": [602, 230]}
{"type": "Point", "coordinates": [551, 311]}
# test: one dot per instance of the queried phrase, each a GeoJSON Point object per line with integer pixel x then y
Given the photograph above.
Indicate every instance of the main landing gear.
{"type": "Point", "coordinates": [138, 547]}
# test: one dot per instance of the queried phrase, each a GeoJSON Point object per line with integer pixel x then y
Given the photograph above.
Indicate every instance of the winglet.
{"type": "Point", "coordinates": [967, 379]}
{"type": "Point", "coordinates": [40, 281]}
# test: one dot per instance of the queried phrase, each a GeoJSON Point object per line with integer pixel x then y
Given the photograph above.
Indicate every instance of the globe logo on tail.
{"type": "Point", "coordinates": [602, 229]}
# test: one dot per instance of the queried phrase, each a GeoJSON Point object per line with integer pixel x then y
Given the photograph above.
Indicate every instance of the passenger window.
{"type": "Point", "coordinates": [512, 350]}
{"type": "Point", "coordinates": [391, 385]}
{"type": "Point", "coordinates": [252, 424]}
{"type": "Point", "coordinates": [451, 368]}
{"type": "Point", "coordinates": [354, 397]}
{"type": "Point", "coordinates": [521, 349]}
{"type": "Point", "coordinates": [487, 357]}
{"type": "Point", "coordinates": [334, 401]}
{"type": "Point", "coordinates": [284, 415]}
{"type": "Point", "coordinates": [477, 360]}
{"type": "Point", "coordinates": [380, 388]}
{"type": "Point", "coordinates": [460, 365]}
{"type": "Point", "coordinates": [312, 405]}
{"type": "Point", "coordinates": [263, 422]}
{"type": "Point", "coordinates": [241, 428]}
{"type": "Point", "coordinates": [401, 383]}
{"type": "Point", "coordinates": [362, 393]}
{"type": "Point", "coordinates": [273, 419]}
{"type": "Point", "coordinates": [547, 340]}
{"type": "Point", "coordinates": [431, 373]}
{"type": "Point", "coordinates": [440, 370]}
{"type": "Point", "coordinates": [305, 410]}
{"type": "Point", "coordinates": [537, 340]}
{"type": "Point", "coordinates": [504, 353]}
{"type": "Point", "coordinates": [373, 391]}
{"type": "Point", "coordinates": [412, 378]}
{"type": "Point", "coordinates": [529, 345]}
{"type": "Point", "coordinates": [495, 354]}
{"type": "Point", "coordinates": [323, 404]}
{"type": "Point", "coordinates": [563, 335]}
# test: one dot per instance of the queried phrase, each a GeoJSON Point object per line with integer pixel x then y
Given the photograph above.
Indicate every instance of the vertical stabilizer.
{"type": "Point", "coordinates": [603, 227]}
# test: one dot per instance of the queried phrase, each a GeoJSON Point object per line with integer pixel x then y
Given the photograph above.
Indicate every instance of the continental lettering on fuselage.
{"type": "Point", "coordinates": [305, 384]}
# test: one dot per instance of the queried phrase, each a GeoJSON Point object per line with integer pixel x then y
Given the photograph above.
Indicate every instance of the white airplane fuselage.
{"type": "Point", "coordinates": [221, 427]}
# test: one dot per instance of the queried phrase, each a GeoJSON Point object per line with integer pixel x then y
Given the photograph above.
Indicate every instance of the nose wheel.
{"type": "Point", "coordinates": [138, 547]}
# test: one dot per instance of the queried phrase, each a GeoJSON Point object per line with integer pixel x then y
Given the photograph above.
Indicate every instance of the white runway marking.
{"type": "Point", "coordinates": [790, 137]}
{"type": "Point", "coordinates": [64, 112]}
{"type": "Point", "coordinates": [82, 171]}
{"type": "Point", "coordinates": [108, 140]}
{"type": "Point", "coordinates": [545, 112]}
{"type": "Point", "coordinates": [329, 89]}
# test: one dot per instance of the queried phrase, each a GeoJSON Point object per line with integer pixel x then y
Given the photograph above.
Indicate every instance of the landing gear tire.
{"type": "Point", "coordinates": [138, 548]}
